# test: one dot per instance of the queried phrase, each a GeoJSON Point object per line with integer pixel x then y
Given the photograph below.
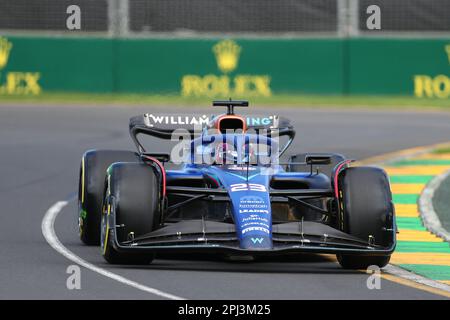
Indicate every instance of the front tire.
{"type": "Point", "coordinates": [90, 190]}
{"type": "Point", "coordinates": [133, 196]}
{"type": "Point", "coordinates": [367, 213]}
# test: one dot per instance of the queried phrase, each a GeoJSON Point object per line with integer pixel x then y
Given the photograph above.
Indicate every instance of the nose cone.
{"type": "Point", "coordinates": [250, 205]}
{"type": "Point", "coordinates": [253, 218]}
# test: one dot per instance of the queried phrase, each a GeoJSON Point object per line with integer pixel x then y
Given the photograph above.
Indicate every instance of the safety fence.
{"type": "Point", "coordinates": [184, 18]}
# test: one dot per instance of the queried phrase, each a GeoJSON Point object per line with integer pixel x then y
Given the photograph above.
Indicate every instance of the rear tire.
{"type": "Point", "coordinates": [90, 191]}
{"type": "Point", "coordinates": [367, 211]}
{"type": "Point", "coordinates": [134, 195]}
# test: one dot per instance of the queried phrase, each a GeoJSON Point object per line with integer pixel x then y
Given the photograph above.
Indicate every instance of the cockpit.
{"type": "Point", "coordinates": [233, 149]}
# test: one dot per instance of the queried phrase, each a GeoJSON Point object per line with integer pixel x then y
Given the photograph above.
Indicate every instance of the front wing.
{"type": "Point", "coordinates": [200, 236]}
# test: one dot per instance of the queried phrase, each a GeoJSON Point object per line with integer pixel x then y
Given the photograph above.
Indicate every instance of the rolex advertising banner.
{"type": "Point", "coordinates": [237, 68]}
{"type": "Point", "coordinates": [29, 66]}
{"type": "Point", "coordinates": [419, 68]}
{"type": "Point", "coordinates": [230, 68]}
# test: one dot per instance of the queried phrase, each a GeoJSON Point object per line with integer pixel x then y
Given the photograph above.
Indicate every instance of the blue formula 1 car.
{"type": "Point", "coordinates": [223, 189]}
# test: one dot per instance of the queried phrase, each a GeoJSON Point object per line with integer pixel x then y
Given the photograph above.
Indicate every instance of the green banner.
{"type": "Point", "coordinates": [238, 68]}
{"type": "Point", "coordinates": [418, 68]}
{"type": "Point", "coordinates": [32, 65]}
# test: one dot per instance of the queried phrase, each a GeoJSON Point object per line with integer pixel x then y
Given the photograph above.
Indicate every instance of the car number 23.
{"type": "Point", "coordinates": [247, 187]}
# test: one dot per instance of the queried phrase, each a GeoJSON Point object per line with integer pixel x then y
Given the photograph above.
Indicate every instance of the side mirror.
{"type": "Point", "coordinates": [317, 160]}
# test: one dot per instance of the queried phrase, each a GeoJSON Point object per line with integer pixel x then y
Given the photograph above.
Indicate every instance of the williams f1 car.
{"type": "Point", "coordinates": [223, 189]}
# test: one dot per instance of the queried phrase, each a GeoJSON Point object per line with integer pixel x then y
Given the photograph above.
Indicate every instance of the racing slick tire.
{"type": "Point", "coordinates": [367, 211]}
{"type": "Point", "coordinates": [90, 190]}
{"type": "Point", "coordinates": [133, 194]}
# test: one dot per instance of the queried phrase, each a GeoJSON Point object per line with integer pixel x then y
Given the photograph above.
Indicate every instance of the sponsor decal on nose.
{"type": "Point", "coordinates": [257, 240]}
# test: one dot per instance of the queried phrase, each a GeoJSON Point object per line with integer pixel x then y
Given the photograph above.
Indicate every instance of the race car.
{"type": "Point", "coordinates": [225, 190]}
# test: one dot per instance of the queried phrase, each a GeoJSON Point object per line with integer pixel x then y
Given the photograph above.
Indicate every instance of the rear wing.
{"type": "Point", "coordinates": [164, 125]}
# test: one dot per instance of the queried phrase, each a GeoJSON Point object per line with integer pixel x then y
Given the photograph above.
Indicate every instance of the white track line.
{"type": "Point", "coordinates": [48, 231]}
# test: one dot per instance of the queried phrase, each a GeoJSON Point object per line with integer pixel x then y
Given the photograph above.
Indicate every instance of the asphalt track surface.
{"type": "Point", "coordinates": [40, 150]}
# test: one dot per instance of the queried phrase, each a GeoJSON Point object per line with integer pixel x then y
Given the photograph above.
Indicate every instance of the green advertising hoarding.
{"type": "Point", "coordinates": [411, 67]}
{"type": "Point", "coordinates": [235, 68]}
{"type": "Point", "coordinates": [239, 68]}
{"type": "Point", "coordinates": [32, 65]}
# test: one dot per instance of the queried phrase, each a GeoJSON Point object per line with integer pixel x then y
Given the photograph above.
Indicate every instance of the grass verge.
{"type": "Point", "coordinates": [397, 102]}
{"type": "Point", "coordinates": [444, 150]}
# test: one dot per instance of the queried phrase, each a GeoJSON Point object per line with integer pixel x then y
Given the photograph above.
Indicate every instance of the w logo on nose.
{"type": "Point", "coordinates": [257, 240]}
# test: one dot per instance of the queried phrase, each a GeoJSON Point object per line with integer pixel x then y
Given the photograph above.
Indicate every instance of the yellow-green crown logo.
{"type": "Point", "coordinates": [447, 48]}
{"type": "Point", "coordinates": [227, 55]}
{"type": "Point", "coordinates": [5, 49]}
